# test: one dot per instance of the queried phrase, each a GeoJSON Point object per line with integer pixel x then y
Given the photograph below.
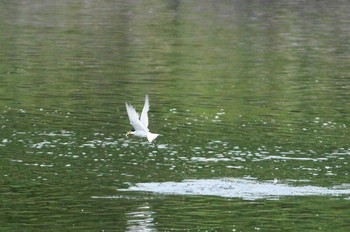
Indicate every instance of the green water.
{"type": "Point", "coordinates": [247, 90]}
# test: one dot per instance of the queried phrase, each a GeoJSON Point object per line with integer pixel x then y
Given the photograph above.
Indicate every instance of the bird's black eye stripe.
{"type": "Point", "coordinates": [132, 130]}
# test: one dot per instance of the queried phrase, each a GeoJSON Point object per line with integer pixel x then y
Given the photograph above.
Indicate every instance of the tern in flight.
{"type": "Point", "coordinates": [140, 124]}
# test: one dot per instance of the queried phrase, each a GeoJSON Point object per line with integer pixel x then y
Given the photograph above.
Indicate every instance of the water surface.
{"type": "Point", "coordinates": [251, 98]}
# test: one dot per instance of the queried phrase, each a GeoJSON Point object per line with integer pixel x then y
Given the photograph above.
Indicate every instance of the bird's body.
{"type": "Point", "coordinates": [140, 124]}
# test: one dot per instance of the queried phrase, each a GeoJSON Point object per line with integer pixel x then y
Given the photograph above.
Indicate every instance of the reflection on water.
{"type": "Point", "coordinates": [243, 92]}
{"type": "Point", "coordinates": [141, 219]}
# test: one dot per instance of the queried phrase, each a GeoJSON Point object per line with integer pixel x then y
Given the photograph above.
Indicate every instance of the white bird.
{"type": "Point", "coordinates": [140, 124]}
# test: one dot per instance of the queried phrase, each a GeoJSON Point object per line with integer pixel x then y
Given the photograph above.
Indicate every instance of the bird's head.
{"type": "Point", "coordinates": [130, 133]}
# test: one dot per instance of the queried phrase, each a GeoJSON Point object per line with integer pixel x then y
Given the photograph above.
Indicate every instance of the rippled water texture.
{"type": "Point", "coordinates": [251, 99]}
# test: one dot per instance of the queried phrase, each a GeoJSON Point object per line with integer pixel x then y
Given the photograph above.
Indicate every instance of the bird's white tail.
{"type": "Point", "coordinates": [151, 136]}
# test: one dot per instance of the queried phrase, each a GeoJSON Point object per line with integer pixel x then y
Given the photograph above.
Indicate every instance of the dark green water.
{"type": "Point", "coordinates": [251, 98]}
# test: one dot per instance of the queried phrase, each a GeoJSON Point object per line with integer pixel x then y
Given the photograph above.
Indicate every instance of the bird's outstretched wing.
{"type": "Point", "coordinates": [134, 118]}
{"type": "Point", "coordinates": [144, 115]}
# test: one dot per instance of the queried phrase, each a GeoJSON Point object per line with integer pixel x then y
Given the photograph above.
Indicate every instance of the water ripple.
{"type": "Point", "coordinates": [246, 189]}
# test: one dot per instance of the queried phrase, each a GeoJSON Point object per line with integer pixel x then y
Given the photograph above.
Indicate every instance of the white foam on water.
{"type": "Point", "coordinates": [236, 188]}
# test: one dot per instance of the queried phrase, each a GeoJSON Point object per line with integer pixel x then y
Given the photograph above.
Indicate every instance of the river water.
{"type": "Point", "coordinates": [251, 99]}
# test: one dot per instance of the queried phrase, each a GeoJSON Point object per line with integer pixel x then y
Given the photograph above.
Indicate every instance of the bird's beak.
{"type": "Point", "coordinates": [128, 133]}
